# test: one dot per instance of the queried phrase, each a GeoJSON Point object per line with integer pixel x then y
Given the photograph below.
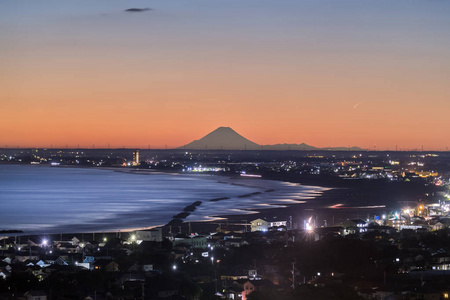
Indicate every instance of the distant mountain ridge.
{"type": "Point", "coordinates": [225, 138]}
{"type": "Point", "coordinates": [222, 138]}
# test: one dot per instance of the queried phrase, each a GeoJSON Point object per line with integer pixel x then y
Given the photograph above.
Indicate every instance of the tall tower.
{"type": "Point", "coordinates": [136, 157]}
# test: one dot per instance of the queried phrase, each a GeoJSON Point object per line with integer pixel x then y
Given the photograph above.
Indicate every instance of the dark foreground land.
{"type": "Point", "coordinates": [287, 264]}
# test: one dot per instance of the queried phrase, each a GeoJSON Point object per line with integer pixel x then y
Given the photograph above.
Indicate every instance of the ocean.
{"type": "Point", "coordinates": [42, 199]}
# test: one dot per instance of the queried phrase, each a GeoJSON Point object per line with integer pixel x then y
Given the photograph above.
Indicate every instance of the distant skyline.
{"type": "Point", "coordinates": [372, 74]}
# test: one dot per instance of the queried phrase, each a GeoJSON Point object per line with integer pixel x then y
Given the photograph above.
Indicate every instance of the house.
{"type": "Point", "coordinates": [105, 264]}
{"type": "Point", "coordinates": [355, 226]}
{"type": "Point", "coordinates": [266, 223]}
{"type": "Point", "coordinates": [147, 267]}
{"type": "Point", "coordinates": [4, 274]}
{"type": "Point", "coordinates": [67, 247]}
{"type": "Point", "coordinates": [22, 257]}
{"type": "Point", "coordinates": [259, 225]}
{"type": "Point", "coordinates": [92, 245]}
{"type": "Point", "coordinates": [5, 270]}
{"type": "Point", "coordinates": [39, 273]}
{"type": "Point", "coordinates": [7, 260]}
{"type": "Point", "coordinates": [438, 226]}
{"type": "Point", "coordinates": [42, 264]}
{"type": "Point", "coordinates": [240, 272]}
{"type": "Point", "coordinates": [36, 295]}
{"type": "Point", "coordinates": [233, 292]}
{"type": "Point", "coordinates": [240, 289]}
{"type": "Point", "coordinates": [440, 257]}
{"type": "Point", "coordinates": [75, 241]}
{"type": "Point", "coordinates": [62, 261]}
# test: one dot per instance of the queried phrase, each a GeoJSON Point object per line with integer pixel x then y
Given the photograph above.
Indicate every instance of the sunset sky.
{"type": "Point", "coordinates": [323, 72]}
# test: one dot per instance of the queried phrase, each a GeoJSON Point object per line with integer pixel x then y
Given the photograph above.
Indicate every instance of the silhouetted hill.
{"type": "Point", "coordinates": [225, 138]}
{"type": "Point", "coordinates": [354, 148]}
{"type": "Point", "coordinates": [285, 146]}
{"type": "Point", "coordinates": [222, 138]}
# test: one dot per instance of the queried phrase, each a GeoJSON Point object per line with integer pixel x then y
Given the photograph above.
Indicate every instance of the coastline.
{"type": "Point", "coordinates": [190, 216]}
{"type": "Point", "coordinates": [338, 200]}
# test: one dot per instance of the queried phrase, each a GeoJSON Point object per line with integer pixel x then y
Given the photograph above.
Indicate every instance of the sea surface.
{"type": "Point", "coordinates": [44, 199]}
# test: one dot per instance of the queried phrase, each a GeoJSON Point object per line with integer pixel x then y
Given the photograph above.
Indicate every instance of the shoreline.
{"type": "Point", "coordinates": [212, 218]}
{"type": "Point", "coordinates": [325, 205]}
{"type": "Point", "coordinates": [236, 222]}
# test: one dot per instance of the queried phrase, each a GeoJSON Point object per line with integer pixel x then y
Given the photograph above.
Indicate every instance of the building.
{"type": "Point", "coordinates": [152, 235]}
{"type": "Point", "coordinates": [135, 157]}
{"type": "Point", "coordinates": [194, 241]}
{"type": "Point", "coordinates": [259, 225]}
{"type": "Point", "coordinates": [265, 224]}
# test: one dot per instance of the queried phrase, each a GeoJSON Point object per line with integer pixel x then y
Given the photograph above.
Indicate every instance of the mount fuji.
{"type": "Point", "coordinates": [225, 138]}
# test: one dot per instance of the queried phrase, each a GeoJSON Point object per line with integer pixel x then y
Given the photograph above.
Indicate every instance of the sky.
{"type": "Point", "coordinates": [373, 74]}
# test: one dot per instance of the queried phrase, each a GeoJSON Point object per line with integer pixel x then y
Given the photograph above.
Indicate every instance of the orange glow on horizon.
{"type": "Point", "coordinates": [42, 115]}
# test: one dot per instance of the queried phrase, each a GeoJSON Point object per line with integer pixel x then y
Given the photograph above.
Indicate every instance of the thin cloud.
{"type": "Point", "coordinates": [137, 9]}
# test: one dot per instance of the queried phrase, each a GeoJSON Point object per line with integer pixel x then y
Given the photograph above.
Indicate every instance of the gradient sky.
{"type": "Point", "coordinates": [336, 73]}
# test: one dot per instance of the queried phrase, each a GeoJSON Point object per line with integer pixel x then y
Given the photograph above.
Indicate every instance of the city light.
{"type": "Point", "coordinates": [308, 225]}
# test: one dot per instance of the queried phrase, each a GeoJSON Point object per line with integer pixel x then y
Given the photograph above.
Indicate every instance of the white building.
{"type": "Point", "coordinates": [152, 235]}
{"type": "Point", "coordinates": [264, 225]}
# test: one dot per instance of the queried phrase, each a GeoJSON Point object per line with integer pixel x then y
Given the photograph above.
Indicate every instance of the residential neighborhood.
{"type": "Point", "coordinates": [401, 255]}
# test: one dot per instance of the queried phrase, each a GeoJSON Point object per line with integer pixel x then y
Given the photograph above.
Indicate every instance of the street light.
{"type": "Point", "coordinates": [308, 227]}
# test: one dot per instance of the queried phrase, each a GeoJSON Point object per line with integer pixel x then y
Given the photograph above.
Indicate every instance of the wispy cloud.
{"type": "Point", "coordinates": [137, 9]}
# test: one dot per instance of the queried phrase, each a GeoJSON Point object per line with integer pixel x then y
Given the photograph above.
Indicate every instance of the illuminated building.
{"type": "Point", "coordinates": [135, 157]}
{"type": "Point", "coordinates": [264, 225]}
{"type": "Point", "coordinates": [427, 174]}
{"type": "Point", "coordinates": [396, 223]}
{"type": "Point", "coordinates": [152, 235]}
{"type": "Point", "coordinates": [421, 210]}
{"type": "Point", "coordinates": [259, 225]}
